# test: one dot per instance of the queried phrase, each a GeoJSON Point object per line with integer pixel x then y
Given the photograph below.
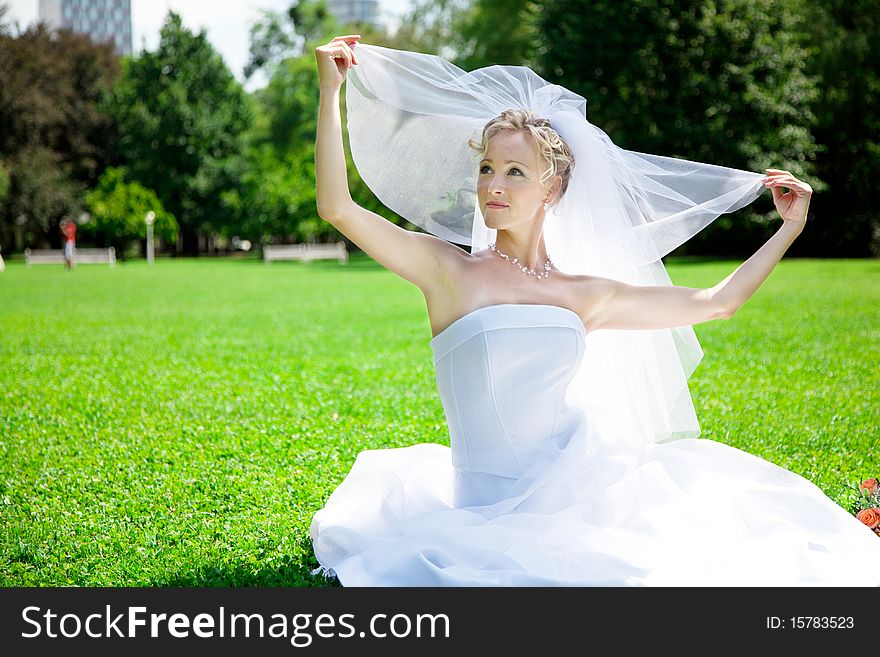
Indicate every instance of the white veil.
{"type": "Point", "coordinates": [410, 116]}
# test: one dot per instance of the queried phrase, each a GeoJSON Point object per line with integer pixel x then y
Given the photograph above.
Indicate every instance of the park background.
{"type": "Point", "coordinates": [180, 423]}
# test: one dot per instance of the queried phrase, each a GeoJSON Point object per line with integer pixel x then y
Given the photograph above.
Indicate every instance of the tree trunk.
{"type": "Point", "coordinates": [188, 242]}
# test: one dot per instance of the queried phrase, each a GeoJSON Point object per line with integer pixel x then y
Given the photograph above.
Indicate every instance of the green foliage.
{"type": "Point", "coordinates": [182, 116]}
{"type": "Point", "coordinates": [276, 191]}
{"type": "Point", "coordinates": [844, 39]}
{"type": "Point", "coordinates": [276, 196]}
{"type": "Point", "coordinates": [719, 81]}
{"type": "Point", "coordinates": [118, 210]}
{"type": "Point", "coordinates": [743, 83]}
{"type": "Point", "coordinates": [4, 182]}
{"type": "Point", "coordinates": [50, 89]}
{"type": "Point", "coordinates": [280, 35]}
{"type": "Point", "coordinates": [52, 130]}
{"type": "Point", "coordinates": [437, 26]}
{"type": "Point", "coordinates": [40, 193]}
{"type": "Point", "coordinates": [290, 103]}
{"type": "Point", "coordinates": [473, 33]}
{"type": "Point", "coordinates": [159, 436]}
{"type": "Point", "coordinates": [270, 43]}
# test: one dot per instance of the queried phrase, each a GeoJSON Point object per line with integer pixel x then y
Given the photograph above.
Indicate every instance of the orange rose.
{"type": "Point", "coordinates": [869, 486]}
{"type": "Point", "coordinates": [871, 517]}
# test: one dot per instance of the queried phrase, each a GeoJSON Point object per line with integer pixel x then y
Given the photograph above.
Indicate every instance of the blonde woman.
{"type": "Point", "coordinates": [560, 346]}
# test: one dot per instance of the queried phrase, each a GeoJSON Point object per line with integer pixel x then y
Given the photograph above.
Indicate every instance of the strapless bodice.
{"type": "Point", "coordinates": [502, 374]}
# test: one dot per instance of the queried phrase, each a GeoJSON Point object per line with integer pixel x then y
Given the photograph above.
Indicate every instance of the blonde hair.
{"type": "Point", "coordinates": [552, 149]}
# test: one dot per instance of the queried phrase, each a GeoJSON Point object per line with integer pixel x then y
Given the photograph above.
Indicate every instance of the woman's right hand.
{"type": "Point", "coordinates": [335, 58]}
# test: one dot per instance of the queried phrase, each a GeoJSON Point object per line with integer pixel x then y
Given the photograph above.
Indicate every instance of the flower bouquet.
{"type": "Point", "coordinates": [867, 506]}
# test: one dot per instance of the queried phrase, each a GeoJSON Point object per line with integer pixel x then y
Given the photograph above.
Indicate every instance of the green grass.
{"type": "Point", "coordinates": [179, 425]}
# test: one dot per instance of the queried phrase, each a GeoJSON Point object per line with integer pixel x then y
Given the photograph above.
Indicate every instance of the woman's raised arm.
{"type": "Point", "coordinates": [615, 305]}
{"type": "Point", "coordinates": [420, 258]}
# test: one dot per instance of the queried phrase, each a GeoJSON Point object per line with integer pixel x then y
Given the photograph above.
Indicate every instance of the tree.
{"type": "Point", "coordinates": [118, 209]}
{"type": "Point", "coordinates": [718, 81]}
{"type": "Point", "coordinates": [845, 40]}
{"type": "Point", "coordinates": [41, 194]}
{"type": "Point", "coordinates": [474, 33]}
{"type": "Point", "coordinates": [276, 174]}
{"type": "Point", "coordinates": [277, 192]}
{"type": "Point", "coordinates": [182, 115]}
{"type": "Point", "coordinates": [52, 130]}
{"type": "Point", "coordinates": [281, 35]}
{"type": "Point", "coordinates": [435, 26]}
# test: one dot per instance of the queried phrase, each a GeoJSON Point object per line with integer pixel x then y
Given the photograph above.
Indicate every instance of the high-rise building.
{"type": "Point", "coordinates": [102, 20]}
{"type": "Point", "coordinates": [347, 11]}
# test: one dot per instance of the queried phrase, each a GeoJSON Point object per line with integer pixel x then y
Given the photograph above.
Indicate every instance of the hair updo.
{"type": "Point", "coordinates": [552, 149]}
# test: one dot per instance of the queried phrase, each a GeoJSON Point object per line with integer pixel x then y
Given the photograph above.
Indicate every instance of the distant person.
{"type": "Point", "coordinates": [68, 229]}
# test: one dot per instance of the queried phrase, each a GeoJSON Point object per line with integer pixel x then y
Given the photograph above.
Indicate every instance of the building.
{"type": "Point", "coordinates": [102, 20]}
{"type": "Point", "coordinates": [347, 11]}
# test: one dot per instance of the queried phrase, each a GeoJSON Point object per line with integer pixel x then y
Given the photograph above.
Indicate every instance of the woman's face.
{"type": "Point", "coordinates": [510, 176]}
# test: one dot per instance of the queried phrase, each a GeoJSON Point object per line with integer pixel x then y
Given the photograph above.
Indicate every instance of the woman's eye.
{"type": "Point", "coordinates": [485, 166]}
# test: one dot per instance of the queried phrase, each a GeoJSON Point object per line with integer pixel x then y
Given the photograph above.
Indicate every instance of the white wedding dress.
{"type": "Point", "coordinates": [526, 496]}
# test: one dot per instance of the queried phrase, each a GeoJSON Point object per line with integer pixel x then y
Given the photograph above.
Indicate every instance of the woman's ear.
{"type": "Point", "coordinates": [553, 192]}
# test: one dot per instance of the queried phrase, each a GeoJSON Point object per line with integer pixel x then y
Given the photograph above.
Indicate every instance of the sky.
{"type": "Point", "coordinates": [226, 22]}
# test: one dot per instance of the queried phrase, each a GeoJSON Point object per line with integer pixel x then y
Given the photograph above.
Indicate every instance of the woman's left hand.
{"type": "Point", "coordinates": [793, 204]}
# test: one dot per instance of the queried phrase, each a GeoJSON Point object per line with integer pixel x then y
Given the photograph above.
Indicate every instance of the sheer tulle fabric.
{"type": "Point", "coordinates": [410, 116]}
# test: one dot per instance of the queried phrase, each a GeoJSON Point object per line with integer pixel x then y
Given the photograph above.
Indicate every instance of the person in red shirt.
{"type": "Point", "coordinates": [68, 229]}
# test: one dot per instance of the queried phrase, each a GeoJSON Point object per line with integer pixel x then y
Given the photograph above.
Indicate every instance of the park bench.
{"type": "Point", "coordinates": [80, 256]}
{"type": "Point", "coordinates": [306, 252]}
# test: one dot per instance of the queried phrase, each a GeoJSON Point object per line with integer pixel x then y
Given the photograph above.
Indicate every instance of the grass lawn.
{"type": "Point", "coordinates": [178, 425]}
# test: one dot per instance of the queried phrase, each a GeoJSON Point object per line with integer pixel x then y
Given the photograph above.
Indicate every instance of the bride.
{"type": "Point", "coordinates": [573, 457]}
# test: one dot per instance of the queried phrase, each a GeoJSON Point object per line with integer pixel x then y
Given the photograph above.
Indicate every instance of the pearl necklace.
{"type": "Point", "coordinates": [547, 265]}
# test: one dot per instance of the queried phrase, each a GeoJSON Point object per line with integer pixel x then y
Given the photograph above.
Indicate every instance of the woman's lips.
{"type": "Point", "coordinates": [494, 205]}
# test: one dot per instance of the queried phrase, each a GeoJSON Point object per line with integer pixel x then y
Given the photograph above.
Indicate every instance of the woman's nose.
{"type": "Point", "coordinates": [496, 185]}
